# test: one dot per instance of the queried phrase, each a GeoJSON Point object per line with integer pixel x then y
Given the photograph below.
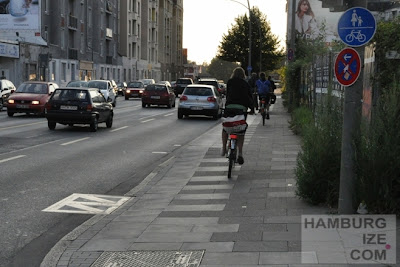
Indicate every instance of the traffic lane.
{"type": "Point", "coordinates": [80, 167]}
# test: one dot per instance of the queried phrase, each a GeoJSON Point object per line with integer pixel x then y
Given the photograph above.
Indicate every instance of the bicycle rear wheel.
{"type": "Point", "coordinates": [263, 117]}
{"type": "Point", "coordinates": [232, 159]}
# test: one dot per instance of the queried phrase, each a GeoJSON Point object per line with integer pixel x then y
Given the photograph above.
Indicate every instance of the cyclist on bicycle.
{"type": "Point", "coordinates": [239, 98]}
{"type": "Point", "coordinates": [263, 90]}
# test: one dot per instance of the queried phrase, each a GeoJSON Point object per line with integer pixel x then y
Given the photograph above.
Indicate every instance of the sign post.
{"type": "Point", "coordinates": [356, 27]}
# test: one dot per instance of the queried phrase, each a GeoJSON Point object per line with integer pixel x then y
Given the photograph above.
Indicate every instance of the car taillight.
{"type": "Point", "coordinates": [89, 107]}
{"type": "Point", "coordinates": [211, 99]}
{"type": "Point", "coordinates": [183, 98]}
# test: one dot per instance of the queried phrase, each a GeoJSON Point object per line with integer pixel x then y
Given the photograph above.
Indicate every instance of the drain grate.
{"type": "Point", "coordinates": [150, 259]}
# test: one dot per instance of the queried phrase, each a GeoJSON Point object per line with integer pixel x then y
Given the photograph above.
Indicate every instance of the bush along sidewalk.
{"type": "Point", "coordinates": [318, 163]}
{"type": "Point", "coordinates": [378, 156]}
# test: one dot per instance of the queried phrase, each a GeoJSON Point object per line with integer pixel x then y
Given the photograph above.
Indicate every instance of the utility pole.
{"type": "Point", "coordinates": [249, 66]}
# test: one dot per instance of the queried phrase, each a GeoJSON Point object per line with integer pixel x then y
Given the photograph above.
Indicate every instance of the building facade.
{"type": "Point", "coordinates": [122, 40]}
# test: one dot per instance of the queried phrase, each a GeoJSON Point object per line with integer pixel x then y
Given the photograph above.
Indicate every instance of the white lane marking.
{"type": "Point", "coordinates": [22, 125]}
{"type": "Point", "coordinates": [87, 204]}
{"type": "Point", "coordinates": [12, 158]}
{"type": "Point", "coordinates": [169, 114]}
{"type": "Point", "coordinates": [177, 145]}
{"type": "Point", "coordinates": [120, 128]}
{"type": "Point", "coordinates": [147, 120]}
{"type": "Point", "coordinates": [159, 152]}
{"type": "Point", "coordinates": [75, 141]}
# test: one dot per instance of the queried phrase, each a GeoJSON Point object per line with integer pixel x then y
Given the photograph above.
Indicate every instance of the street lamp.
{"type": "Point", "coordinates": [248, 7]}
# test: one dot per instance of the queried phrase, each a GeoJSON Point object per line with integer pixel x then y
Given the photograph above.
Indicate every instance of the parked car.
{"type": "Point", "coordinates": [78, 105]}
{"type": "Point", "coordinates": [200, 99]}
{"type": "Point", "coordinates": [181, 84]}
{"type": "Point", "coordinates": [158, 94]}
{"type": "Point", "coordinates": [134, 89]}
{"type": "Point", "coordinates": [147, 82]}
{"type": "Point", "coordinates": [213, 82]}
{"type": "Point", "coordinates": [30, 97]}
{"type": "Point", "coordinates": [122, 88]}
{"type": "Point", "coordinates": [6, 89]}
{"type": "Point", "coordinates": [77, 83]}
{"type": "Point", "coordinates": [106, 89]}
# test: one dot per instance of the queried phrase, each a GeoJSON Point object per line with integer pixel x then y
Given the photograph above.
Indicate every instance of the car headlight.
{"type": "Point", "coordinates": [128, 91]}
{"type": "Point", "coordinates": [35, 102]}
{"type": "Point", "coordinates": [10, 101]}
{"type": "Point", "coordinates": [141, 91]}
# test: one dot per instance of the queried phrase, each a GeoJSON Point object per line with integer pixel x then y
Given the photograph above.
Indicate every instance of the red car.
{"type": "Point", "coordinates": [158, 94]}
{"type": "Point", "coordinates": [30, 97]}
{"type": "Point", "coordinates": [134, 89]}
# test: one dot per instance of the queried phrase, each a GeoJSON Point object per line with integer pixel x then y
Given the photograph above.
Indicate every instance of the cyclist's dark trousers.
{"type": "Point", "coordinates": [255, 101]}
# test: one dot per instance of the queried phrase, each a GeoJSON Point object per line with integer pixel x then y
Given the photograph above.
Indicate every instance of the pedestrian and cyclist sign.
{"type": "Point", "coordinates": [347, 66]}
{"type": "Point", "coordinates": [356, 26]}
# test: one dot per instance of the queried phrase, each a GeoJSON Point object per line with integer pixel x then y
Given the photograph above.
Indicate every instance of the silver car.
{"type": "Point", "coordinates": [199, 99]}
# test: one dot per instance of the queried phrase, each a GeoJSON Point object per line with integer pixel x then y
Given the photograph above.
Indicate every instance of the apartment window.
{"type": "Point", "coordinates": [46, 6]}
{"type": "Point", "coordinates": [53, 71]}
{"type": "Point", "coordinates": [82, 45]}
{"type": "Point", "coordinates": [101, 49]}
{"type": "Point", "coordinates": [89, 17]}
{"type": "Point", "coordinates": [129, 27]}
{"type": "Point", "coordinates": [138, 30]}
{"type": "Point", "coordinates": [62, 39]}
{"type": "Point", "coordinates": [130, 51]}
{"type": "Point", "coordinates": [138, 10]}
{"type": "Point", "coordinates": [130, 6]}
{"type": "Point", "coordinates": [102, 72]}
{"type": "Point", "coordinates": [46, 33]}
{"type": "Point", "coordinates": [134, 50]}
{"type": "Point", "coordinates": [63, 71]}
{"type": "Point", "coordinates": [73, 72]}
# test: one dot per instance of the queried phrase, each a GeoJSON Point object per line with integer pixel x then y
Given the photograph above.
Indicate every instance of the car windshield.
{"type": "Point", "coordinates": [184, 81]}
{"type": "Point", "coordinates": [147, 82]}
{"type": "Point", "coordinates": [70, 95]}
{"type": "Point", "coordinates": [97, 84]}
{"type": "Point", "coordinates": [214, 83]}
{"type": "Point", "coordinates": [135, 85]}
{"type": "Point", "coordinates": [32, 88]}
{"type": "Point", "coordinates": [198, 91]}
{"type": "Point", "coordinates": [77, 84]}
{"type": "Point", "coordinates": [153, 87]}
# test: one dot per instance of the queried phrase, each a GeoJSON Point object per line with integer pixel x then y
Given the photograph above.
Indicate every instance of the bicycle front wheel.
{"type": "Point", "coordinates": [263, 118]}
{"type": "Point", "coordinates": [232, 158]}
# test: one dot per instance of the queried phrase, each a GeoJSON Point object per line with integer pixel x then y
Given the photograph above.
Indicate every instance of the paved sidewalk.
{"type": "Point", "coordinates": [187, 211]}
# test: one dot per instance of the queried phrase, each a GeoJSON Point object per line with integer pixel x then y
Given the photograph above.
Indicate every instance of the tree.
{"type": "Point", "coordinates": [220, 69]}
{"type": "Point", "coordinates": [234, 46]}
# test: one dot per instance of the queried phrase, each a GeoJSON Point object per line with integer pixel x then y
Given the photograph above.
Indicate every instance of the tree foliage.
{"type": "Point", "coordinates": [234, 46]}
{"type": "Point", "coordinates": [221, 69]}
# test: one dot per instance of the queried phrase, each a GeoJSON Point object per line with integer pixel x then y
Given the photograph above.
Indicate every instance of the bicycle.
{"type": "Point", "coordinates": [262, 109]}
{"type": "Point", "coordinates": [232, 152]}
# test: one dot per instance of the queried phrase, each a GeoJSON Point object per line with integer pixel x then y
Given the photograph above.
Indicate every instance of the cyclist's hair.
{"type": "Point", "coordinates": [238, 73]}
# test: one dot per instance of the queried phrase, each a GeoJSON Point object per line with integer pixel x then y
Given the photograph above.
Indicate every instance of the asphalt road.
{"type": "Point", "coordinates": [39, 167]}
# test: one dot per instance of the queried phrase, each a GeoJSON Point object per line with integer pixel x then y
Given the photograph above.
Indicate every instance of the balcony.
{"type": "Point", "coordinates": [134, 38]}
{"type": "Point", "coordinates": [153, 24]}
{"type": "Point", "coordinates": [109, 7]}
{"type": "Point", "coordinates": [109, 60]}
{"type": "Point", "coordinates": [72, 53]}
{"type": "Point", "coordinates": [72, 22]}
{"type": "Point", "coordinates": [109, 34]}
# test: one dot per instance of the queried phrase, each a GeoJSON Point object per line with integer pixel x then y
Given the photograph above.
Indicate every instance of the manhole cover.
{"type": "Point", "coordinates": [150, 259]}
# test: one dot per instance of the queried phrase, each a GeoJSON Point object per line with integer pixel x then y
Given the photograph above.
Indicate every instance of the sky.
{"type": "Point", "coordinates": [205, 21]}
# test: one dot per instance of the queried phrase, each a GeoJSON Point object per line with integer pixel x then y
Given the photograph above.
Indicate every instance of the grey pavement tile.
{"type": "Point", "coordinates": [283, 219]}
{"type": "Point", "coordinates": [281, 194]}
{"type": "Point", "coordinates": [265, 212]}
{"type": "Point", "coordinates": [229, 259]}
{"type": "Point", "coordinates": [173, 237]}
{"type": "Point", "coordinates": [165, 228]}
{"type": "Point", "coordinates": [240, 220]}
{"type": "Point", "coordinates": [209, 246]}
{"type": "Point", "coordinates": [165, 197]}
{"type": "Point", "coordinates": [107, 245]}
{"type": "Point", "coordinates": [287, 257]}
{"type": "Point", "coordinates": [247, 196]}
{"type": "Point", "coordinates": [311, 210]}
{"type": "Point", "coordinates": [117, 234]}
{"type": "Point", "coordinates": [244, 265]}
{"type": "Point", "coordinates": [201, 196]}
{"type": "Point", "coordinates": [215, 228]}
{"type": "Point", "coordinates": [149, 206]}
{"type": "Point", "coordinates": [263, 227]}
{"type": "Point", "coordinates": [238, 236]}
{"type": "Point", "coordinates": [281, 236]}
{"type": "Point", "coordinates": [294, 246]}
{"type": "Point", "coordinates": [260, 246]}
{"type": "Point", "coordinates": [208, 187]}
{"type": "Point", "coordinates": [215, 207]}
{"type": "Point", "coordinates": [224, 213]}
{"type": "Point", "coordinates": [215, 178]}
{"type": "Point", "coordinates": [155, 246]}
{"type": "Point", "coordinates": [135, 219]}
{"type": "Point", "coordinates": [207, 191]}
{"type": "Point", "coordinates": [180, 214]}
{"type": "Point", "coordinates": [142, 212]}
{"type": "Point", "coordinates": [187, 220]}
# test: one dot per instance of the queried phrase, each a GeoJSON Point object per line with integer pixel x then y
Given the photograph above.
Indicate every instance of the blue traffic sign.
{"type": "Point", "coordinates": [356, 26]}
{"type": "Point", "coordinates": [347, 66]}
{"type": "Point", "coordinates": [249, 68]}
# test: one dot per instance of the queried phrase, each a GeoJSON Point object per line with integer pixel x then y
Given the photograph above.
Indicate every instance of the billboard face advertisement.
{"type": "Point", "coordinates": [20, 20]}
{"type": "Point", "coordinates": [311, 20]}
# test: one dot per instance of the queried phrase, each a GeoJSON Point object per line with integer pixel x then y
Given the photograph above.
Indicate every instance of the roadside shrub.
{"type": "Point", "coordinates": [318, 163]}
{"type": "Point", "coordinates": [378, 156]}
{"type": "Point", "coordinates": [301, 117]}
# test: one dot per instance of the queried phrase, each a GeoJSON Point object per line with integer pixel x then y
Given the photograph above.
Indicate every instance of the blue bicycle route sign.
{"type": "Point", "coordinates": [356, 26]}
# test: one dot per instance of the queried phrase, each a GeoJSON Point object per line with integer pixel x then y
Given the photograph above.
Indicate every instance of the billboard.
{"type": "Point", "coordinates": [312, 20]}
{"type": "Point", "coordinates": [20, 21]}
